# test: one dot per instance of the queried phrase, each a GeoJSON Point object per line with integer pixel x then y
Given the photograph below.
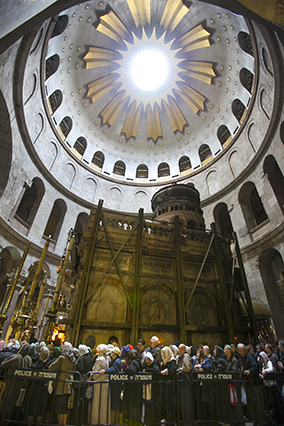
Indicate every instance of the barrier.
{"type": "Point", "coordinates": [30, 396]}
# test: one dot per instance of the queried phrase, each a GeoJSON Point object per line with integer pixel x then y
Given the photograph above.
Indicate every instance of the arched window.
{"type": "Point", "coordinates": [282, 132]}
{"type": "Point", "coordinates": [98, 159]}
{"type": "Point", "coordinates": [251, 204]}
{"type": "Point", "coordinates": [205, 154]}
{"type": "Point", "coordinates": [184, 164]}
{"type": "Point", "coordinates": [55, 220]}
{"type": "Point", "coordinates": [276, 179]}
{"type": "Point", "coordinates": [65, 127]}
{"type": "Point", "coordinates": [245, 42]}
{"type": "Point", "coordinates": [51, 65]}
{"type": "Point", "coordinates": [271, 267]}
{"type": "Point", "coordinates": [239, 110]}
{"type": "Point", "coordinates": [60, 25]}
{"type": "Point", "coordinates": [79, 147]}
{"type": "Point", "coordinates": [81, 224]}
{"type": "Point", "coordinates": [55, 100]}
{"type": "Point", "coordinates": [163, 170]}
{"type": "Point", "coordinates": [30, 203]}
{"type": "Point", "coordinates": [6, 144]}
{"type": "Point", "coordinates": [224, 135]}
{"type": "Point", "coordinates": [246, 78]}
{"type": "Point", "coordinates": [223, 221]}
{"type": "Point", "coordinates": [142, 171]}
{"type": "Point", "coordinates": [119, 168]}
{"type": "Point", "coordinates": [267, 61]}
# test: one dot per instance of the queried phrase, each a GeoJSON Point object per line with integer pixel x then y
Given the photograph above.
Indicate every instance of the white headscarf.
{"type": "Point", "coordinates": [83, 349]}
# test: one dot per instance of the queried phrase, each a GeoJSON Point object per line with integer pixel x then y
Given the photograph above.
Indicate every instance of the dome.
{"type": "Point", "coordinates": [95, 106]}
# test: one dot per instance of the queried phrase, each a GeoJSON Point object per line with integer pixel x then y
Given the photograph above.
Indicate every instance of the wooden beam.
{"type": "Point", "coordinates": [137, 280]}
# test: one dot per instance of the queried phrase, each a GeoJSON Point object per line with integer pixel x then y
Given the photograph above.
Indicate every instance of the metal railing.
{"type": "Point", "coordinates": [30, 396]}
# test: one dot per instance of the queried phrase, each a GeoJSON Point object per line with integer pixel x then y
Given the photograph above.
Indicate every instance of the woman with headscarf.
{"type": "Point", "coordinates": [100, 406]}
{"type": "Point", "coordinates": [151, 394]}
{"type": "Point", "coordinates": [115, 388]}
{"type": "Point", "coordinates": [37, 389]}
{"type": "Point", "coordinates": [84, 364]}
{"type": "Point", "coordinates": [19, 360]}
{"type": "Point", "coordinates": [63, 364]}
{"type": "Point", "coordinates": [168, 370]}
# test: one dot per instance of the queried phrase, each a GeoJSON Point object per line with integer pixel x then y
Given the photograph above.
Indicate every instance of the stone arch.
{"type": "Point", "coordinates": [108, 303]}
{"type": "Point", "coordinates": [246, 79]}
{"type": "Point", "coordinates": [55, 219]}
{"type": "Point", "coordinates": [119, 168]}
{"type": "Point", "coordinates": [80, 147]}
{"type": "Point", "coordinates": [82, 222]}
{"type": "Point", "coordinates": [184, 163]}
{"type": "Point", "coordinates": [60, 25]}
{"type": "Point", "coordinates": [6, 144]}
{"type": "Point", "coordinates": [276, 178]}
{"type": "Point", "coordinates": [202, 311]}
{"type": "Point", "coordinates": [224, 135]}
{"type": "Point", "coordinates": [223, 221]}
{"type": "Point", "coordinates": [282, 132]}
{"type": "Point", "coordinates": [90, 189]}
{"type": "Point", "coordinates": [51, 65]}
{"type": "Point", "coordinates": [265, 102]}
{"type": "Point", "coordinates": [51, 155]}
{"type": "Point", "coordinates": [267, 61]}
{"type": "Point", "coordinates": [141, 199]}
{"type": "Point", "coordinates": [271, 268]}
{"type": "Point", "coordinates": [30, 202]}
{"type": "Point", "coordinates": [251, 204]}
{"type": "Point", "coordinates": [251, 131]}
{"type": "Point", "coordinates": [205, 154]}
{"type": "Point", "coordinates": [234, 163]}
{"type": "Point", "coordinates": [114, 198]}
{"type": "Point", "coordinates": [157, 305]}
{"type": "Point", "coordinates": [142, 172]}
{"type": "Point", "coordinates": [239, 110]}
{"type": "Point", "coordinates": [212, 182]}
{"type": "Point", "coordinates": [55, 100]}
{"type": "Point", "coordinates": [39, 126]}
{"type": "Point", "coordinates": [245, 42]}
{"type": "Point", "coordinates": [68, 175]}
{"type": "Point", "coordinates": [37, 42]}
{"type": "Point", "coordinates": [31, 82]}
{"type": "Point", "coordinates": [98, 159]}
{"type": "Point", "coordinates": [10, 259]}
{"type": "Point", "coordinates": [65, 127]}
{"type": "Point", "coordinates": [163, 170]}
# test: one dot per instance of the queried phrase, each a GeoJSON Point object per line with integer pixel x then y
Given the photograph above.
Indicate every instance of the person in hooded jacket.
{"type": "Point", "coordinates": [168, 371]}
{"type": "Point", "coordinates": [132, 395]}
{"type": "Point", "coordinates": [37, 388]}
{"type": "Point", "coordinates": [13, 385]}
{"type": "Point", "coordinates": [63, 364]}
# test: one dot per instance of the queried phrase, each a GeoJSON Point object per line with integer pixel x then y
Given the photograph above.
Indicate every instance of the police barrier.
{"type": "Point", "coordinates": [31, 396]}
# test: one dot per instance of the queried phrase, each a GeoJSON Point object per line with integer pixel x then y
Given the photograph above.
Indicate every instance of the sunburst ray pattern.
{"type": "Point", "coordinates": [148, 26]}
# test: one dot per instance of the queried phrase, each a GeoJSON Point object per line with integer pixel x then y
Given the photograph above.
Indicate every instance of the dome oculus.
{"type": "Point", "coordinates": [149, 69]}
{"type": "Point", "coordinates": [159, 27]}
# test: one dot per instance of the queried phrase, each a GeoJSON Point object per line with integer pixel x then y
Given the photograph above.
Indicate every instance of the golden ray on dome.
{"type": "Point", "coordinates": [126, 99]}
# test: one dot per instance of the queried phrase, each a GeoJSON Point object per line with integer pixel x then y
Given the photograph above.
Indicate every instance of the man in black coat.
{"type": "Point", "coordinates": [255, 402]}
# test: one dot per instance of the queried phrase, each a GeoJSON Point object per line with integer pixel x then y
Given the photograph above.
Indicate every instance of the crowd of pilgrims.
{"type": "Point", "coordinates": [163, 362]}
